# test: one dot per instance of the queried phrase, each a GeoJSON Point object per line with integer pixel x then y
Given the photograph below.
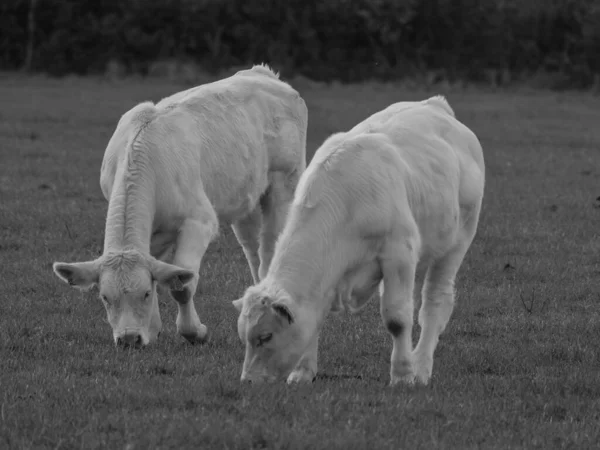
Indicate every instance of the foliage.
{"type": "Point", "coordinates": [349, 40]}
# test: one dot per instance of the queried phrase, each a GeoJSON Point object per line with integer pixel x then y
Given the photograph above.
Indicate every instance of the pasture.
{"type": "Point", "coordinates": [518, 366]}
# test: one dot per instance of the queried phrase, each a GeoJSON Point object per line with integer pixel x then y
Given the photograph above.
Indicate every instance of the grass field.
{"type": "Point", "coordinates": [518, 366]}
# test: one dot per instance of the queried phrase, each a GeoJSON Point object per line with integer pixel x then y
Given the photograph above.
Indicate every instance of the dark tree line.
{"type": "Point", "coordinates": [348, 40]}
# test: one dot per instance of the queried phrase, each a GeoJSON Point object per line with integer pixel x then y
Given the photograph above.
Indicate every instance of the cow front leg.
{"type": "Point", "coordinates": [247, 232]}
{"type": "Point", "coordinates": [194, 237]}
{"type": "Point", "coordinates": [397, 308]}
{"type": "Point", "coordinates": [155, 327]}
{"type": "Point", "coordinates": [306, 369]}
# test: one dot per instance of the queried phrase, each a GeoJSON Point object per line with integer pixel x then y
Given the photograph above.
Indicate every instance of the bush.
{"type": "Point", "coordinates": [348, 40]}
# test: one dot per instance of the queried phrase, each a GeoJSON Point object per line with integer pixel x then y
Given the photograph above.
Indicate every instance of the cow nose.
{"type": "Point", "coordinates": [130, 340]}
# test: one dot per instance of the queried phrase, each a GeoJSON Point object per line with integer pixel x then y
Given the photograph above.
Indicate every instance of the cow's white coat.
{"type": "Point", "coordinates": [401, 189]}
{"type": "Point", "coordinates": [232, 150]}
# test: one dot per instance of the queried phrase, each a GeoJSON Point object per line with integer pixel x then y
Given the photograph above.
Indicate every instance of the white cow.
{"type": "Point", "coordinates": [403, 188]}
{"type": "Point", "coordinates": [232, 150]}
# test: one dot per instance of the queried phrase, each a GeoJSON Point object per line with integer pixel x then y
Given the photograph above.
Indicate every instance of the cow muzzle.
{"type": "Point", "coordinates": [130, 339]}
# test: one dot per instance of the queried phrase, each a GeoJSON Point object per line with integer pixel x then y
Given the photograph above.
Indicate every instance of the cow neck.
{"type": "Point", "coordinates": [131, 206]}
{"type": "Point", "coordinates": [306, 265]}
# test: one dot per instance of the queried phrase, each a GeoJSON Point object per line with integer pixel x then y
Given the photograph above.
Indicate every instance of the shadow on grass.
{"type": "Point", "coordinates": [341, 376]}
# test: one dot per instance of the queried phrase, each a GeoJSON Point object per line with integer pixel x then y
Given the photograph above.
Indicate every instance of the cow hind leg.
{"type": "Point", "coordinates": [194, 237]}
{"type": "Point", "coordinates": [437, 304]}
{"type": "Point", "coordinates": [397, 308]}
{"type": "Point", "coordinates": [275, 205]}
{"type": "Point", "coordinates": [247, 232]}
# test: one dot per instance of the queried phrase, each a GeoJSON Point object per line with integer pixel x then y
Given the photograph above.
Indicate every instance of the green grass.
{"type": "Point", "coordinates": [518, 366]}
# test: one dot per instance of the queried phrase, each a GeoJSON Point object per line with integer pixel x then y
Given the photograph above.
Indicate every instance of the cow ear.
{"type": "Point", "coordinates": [282, 310]}
{"type": "Point", "coordinates": [83, 275]}
{"type": "Point", "coordinates": [239, 303]}
{"type": "Point", "coordinates": [172, 276]}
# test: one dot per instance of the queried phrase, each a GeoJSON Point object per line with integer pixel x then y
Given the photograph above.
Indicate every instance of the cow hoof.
{"type": "Point", "coordinates": [407, 380]}
{"type": "Point", "coordinates": [402, 373]}
{"type": "Point", "coordinates": [199, 336]}
{"type": "Point", "coordinates": [423, 370]}
{"type": "Point", "coordinates": [301, 376]}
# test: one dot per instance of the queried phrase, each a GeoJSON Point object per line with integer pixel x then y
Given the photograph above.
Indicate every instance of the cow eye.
{"type": "Point", "coordinates": [264, 339]}
{"type": "Point", "coordinates": [146, 295]}
{"type": "Point", "coordinates": [104, 298]}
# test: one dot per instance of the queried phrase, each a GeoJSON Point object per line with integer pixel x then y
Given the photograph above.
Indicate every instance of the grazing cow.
{"type": "Point", "coordinates": [403, 188]}
{"type": "Point", "coordinates": [232, 150]}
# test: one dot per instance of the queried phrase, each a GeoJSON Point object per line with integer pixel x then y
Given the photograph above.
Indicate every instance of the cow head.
{"type": "Point", "coordinates": [126, 283]}
{"type": "Point", "coordinates": [276, 332]}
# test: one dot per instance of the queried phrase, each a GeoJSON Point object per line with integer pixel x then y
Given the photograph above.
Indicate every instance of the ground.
{"type": "Point", "coordinates": [518, 366]}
